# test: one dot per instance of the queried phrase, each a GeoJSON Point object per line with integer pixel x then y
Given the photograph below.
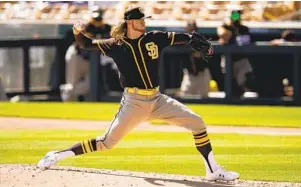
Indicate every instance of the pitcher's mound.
{"type": "Point", "coordinates": [29, 175]}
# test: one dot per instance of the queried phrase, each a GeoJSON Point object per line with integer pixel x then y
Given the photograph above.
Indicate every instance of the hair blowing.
{"type": "Point", "coordinates": [119, 31]}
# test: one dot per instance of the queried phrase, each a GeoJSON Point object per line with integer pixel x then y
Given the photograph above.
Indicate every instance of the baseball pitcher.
{"type": "Point", "coordinates": [137, 54]}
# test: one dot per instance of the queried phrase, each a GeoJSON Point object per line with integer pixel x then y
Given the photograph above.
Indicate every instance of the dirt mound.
{"type": "Point", "coordinates": [29, 175]}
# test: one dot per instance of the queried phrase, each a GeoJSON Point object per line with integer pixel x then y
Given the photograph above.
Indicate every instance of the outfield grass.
{"type": "Point", "coordinates": [258, 157]}
{"type": "Point", "coordinates": [213, 114]}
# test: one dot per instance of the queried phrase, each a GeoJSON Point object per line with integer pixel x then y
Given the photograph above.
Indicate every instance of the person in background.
{"type": "Point", "coordinates": [233, 32]}
{"type": "Point", "coordinates": [77, 60]}
{"type": "Point", "coordinates": [97, 28]}
{"type": "Point", "coordinates": [196, 74]}
{"type": "Point", "coordinates": [77, 74]}
{"type": "Point", "coordinates": [287, 36]}
{"type": "Point", "coordinates": [3, 96]}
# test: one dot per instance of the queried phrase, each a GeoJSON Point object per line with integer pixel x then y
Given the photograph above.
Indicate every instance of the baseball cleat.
{"type": "Point", "coordinates": [222, 175]}
{"type": "Point", "coordinates": [49, 160]}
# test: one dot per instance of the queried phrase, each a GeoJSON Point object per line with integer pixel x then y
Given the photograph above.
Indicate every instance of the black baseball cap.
{"type": "Point", "coordinates": [135, 13]}
{"type": "Point", "coordinates": [97, 13]}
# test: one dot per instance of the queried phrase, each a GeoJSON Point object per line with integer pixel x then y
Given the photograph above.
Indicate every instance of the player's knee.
{"type": "Point", "coordinates": [198, 120]}
{"type": "Point", "coordinates": [199, 126]}
{"type": "Point", "coordinates": [103, 143]}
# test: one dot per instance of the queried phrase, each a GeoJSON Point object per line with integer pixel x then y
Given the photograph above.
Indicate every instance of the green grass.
{"type": "Point", "coordinates": [256, 157]}
{"type": "Point", "coordinates": [213, 114]}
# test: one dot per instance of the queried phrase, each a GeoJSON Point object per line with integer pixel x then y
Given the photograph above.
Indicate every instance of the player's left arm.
{"type": "Point", "coordinates": [181, 38]}
{"type": "Point", "coordinates": [173, 38]}
{"type": "Point", "coordinates": [196, 41]}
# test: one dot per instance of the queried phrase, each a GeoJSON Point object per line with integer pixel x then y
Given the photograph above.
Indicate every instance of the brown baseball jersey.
{"type": "Point", "coordinates": [138, 64]}
{"type": "Point", "coordinates": [138, 59]}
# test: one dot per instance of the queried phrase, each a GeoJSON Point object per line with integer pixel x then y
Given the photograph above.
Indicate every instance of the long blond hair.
{"type": "Point", "coordinates": [119, 31]}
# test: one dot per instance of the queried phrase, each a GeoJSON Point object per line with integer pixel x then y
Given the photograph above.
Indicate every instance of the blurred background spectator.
{"type": "Point", "coordinates": [3, 96]}
{"type": "Point", "coordinates": [77, 84]}
{"type": "Point", "coordinates": [286, 36]}
{"type": "Point", "coordinates": [77, 74]}
{"type": "Point", "coordinates": [196, 74]}
{"type": "Point", "coordinates": [233, 32]}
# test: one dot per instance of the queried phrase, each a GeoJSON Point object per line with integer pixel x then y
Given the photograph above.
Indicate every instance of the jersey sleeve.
{"type": "Point", "coordinates": [164, 38]}
{"type": "Point", "coordinates": [89, 31]}
{"type": "Point", "coordinates": [106, 46]}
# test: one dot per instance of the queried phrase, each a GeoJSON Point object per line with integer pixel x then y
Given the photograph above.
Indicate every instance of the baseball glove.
{"type": "Point", "coordinates": [201, 44]}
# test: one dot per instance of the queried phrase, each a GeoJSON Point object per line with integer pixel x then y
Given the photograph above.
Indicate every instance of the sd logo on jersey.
{"type": "Point", "coordinates": [152, 49]}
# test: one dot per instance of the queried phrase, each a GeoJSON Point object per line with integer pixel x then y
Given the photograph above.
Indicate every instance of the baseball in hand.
{"type": "Point", "coordinates": [78, 27]}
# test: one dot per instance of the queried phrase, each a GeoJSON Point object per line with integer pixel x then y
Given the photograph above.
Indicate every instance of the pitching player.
{"type": "Point", "coordinates": [137, 54]}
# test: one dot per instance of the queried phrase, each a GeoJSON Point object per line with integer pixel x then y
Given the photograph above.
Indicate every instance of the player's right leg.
{"type": "Point", "coordinates": [174, 112]}
{"type": "Point", "coordinates": [131, 112]}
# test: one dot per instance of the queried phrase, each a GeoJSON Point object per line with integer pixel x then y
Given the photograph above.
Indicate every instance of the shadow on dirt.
{"type": "Point", "coordinates": [156, 181]}
{"type": "Point", "coordinates": [159, 181]}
